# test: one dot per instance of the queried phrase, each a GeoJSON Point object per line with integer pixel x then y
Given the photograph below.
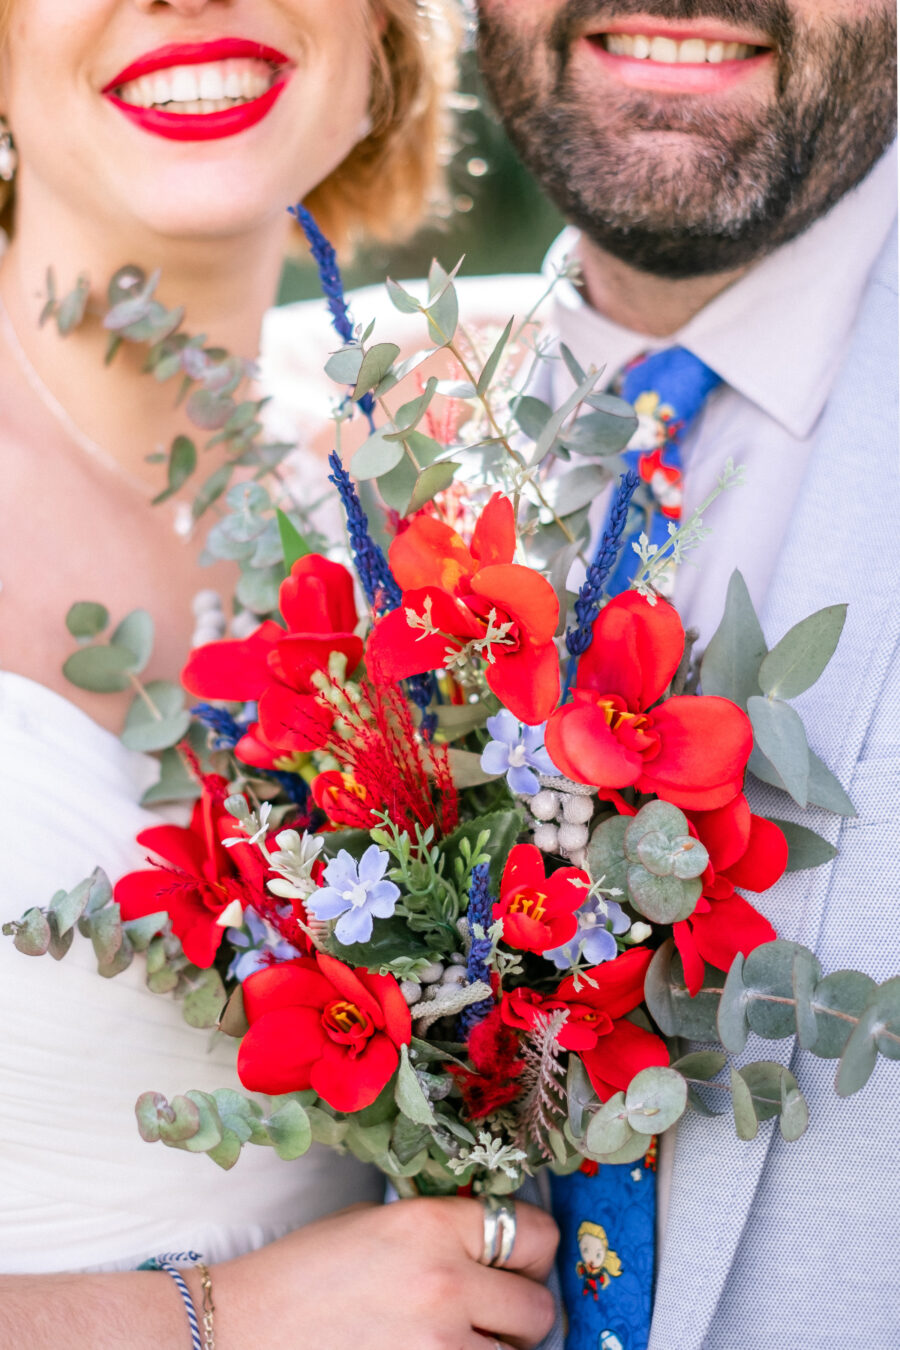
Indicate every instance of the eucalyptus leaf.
{"type": "Point", "coordinates": [732, 1015]}
{"type": "Point", "coordinates": [570, 491]}
{"type": "Point", "coordinates": [158, 1120]}
{"type": "Point", "coordinates": [181, 465]}
{"type": "Point", "coordinates": [531, 414]}
{"type": "Point", "coordinates": [140, 932]}
{"type": "Point", "coordinates": [489, 369]}
{"type": "Point", "coordinates": [745, 1118]}
{"type": "Point", "coordinates": [797, 661]}
{"type": "Point", "coordinates": [146, 730]}
{"type": "Point", "coordinates": [605, 431]}
{"type": "Point", "coordinates": [375, 365]}
{"type": "Point", "coordinates": [377, 456]}
{"type": "Point", "coordinates": [860, 1053]}
{"type": "Point", "coordinates": [779, 734]}
{"type": "Point", "coordinates": [730, 665]}
{"type": "Point", "coordinates": [211, 489]}
{"type": "Point", "coordinates": [804, 983]}
{"type": "Point", "coordinates": [794, 1112]}
{"type": "Point", "coordinates": [396, 487]}
{"type": "Point", "coordinates": [100, 669]}
{"type": "Point", "coordinates": [203, 1005]}
{"type": "Point", "coordinates": [432, 480]}
{"type": "Point", "coordinates": [86, 619]}
{"type": "Point", "coordinates": [505, 827]}
{"type": "Point", "coordinates": [842, 992]}
{"type": "Point", "coordinates": [175, 783]}
{"type": "Point", "coordinates": [401, 298]}
{"type": "Point", "coordinates": [703, 1064]}
{"type": "Point", "coordinates": [233, 1020]}
{"type": "Point", "coordinates": [31, 934]}
{"type": "Point", "coordinates": [581, 1097]}
{"type": "Point", "coordinates": [443, 316]}
{"type": "Point", "coordinates": [135, 635]}
{"type": "Point", "coordinates": [608, 1128]}
{"type": "Point", "coordinates": [765, 1080]}
{"type": "Point", "coordinates": [663, 900]}
{"type": "Point", "coordinates": [554, 424]}
{"type": "Point", "coordinates": [71, 309]}
{"type": "Point", "coordinates": [887, 1005]}
{"type": "Point", "coordinates": [408, 1139]}
{"type": "Point", "coordinates": [825, 790]}
{"type": "Point", "coordinates": [606, 858]}
{"type": "Point", "coordinates": [258, 589]}
{"type": "Point", "coordinates": [769, 970]}
{"type": "Point", "coordinates": [67, 907]}
{"type": "Point", "coordinates": [407, 417]}
{"type": "Point", "coordinates": [289, 1130]}
{"type": "Point", "coordinates": [655, 1099]}
{"type": "Point", "coordinates": [805, 847]}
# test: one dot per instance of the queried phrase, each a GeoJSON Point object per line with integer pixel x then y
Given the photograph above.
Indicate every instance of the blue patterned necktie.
{"type": "Point", "coordinates": [668, 389]}
{"type": "Point", "coordinates": [608, 1220]}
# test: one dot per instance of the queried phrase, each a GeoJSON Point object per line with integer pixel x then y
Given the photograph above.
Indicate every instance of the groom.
{"type": "Point", "coordinates": [729, 170]}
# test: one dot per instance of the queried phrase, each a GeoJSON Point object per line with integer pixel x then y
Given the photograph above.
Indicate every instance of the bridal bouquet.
{"type": "Point", "coordinates": [469, 854]}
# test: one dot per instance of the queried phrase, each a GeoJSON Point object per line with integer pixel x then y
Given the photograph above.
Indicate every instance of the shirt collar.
{"type": "Point", "coordinates": [779, 334]}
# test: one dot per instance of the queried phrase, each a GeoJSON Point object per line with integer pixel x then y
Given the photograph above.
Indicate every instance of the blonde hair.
{"type": "Point", "coordinates": [612, 1262]}
{"type": "Point", "coordinates": [393, 178]}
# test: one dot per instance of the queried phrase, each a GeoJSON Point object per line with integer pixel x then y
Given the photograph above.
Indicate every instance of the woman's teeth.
{"type": "Point", "coordinates": [693, 51]}
{"type": "Point", "coordinates": [200, 89]}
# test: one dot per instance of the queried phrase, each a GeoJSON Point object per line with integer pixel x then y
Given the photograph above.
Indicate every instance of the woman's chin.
{"type": "Point", "coordinates": [192, 210]}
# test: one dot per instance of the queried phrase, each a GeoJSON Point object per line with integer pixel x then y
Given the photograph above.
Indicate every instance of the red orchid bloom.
{"type": "Point", "coordinates": [744, 850]}
{"type": "Point", "coordinates": [275, 666]}
{"type": "Point", "coordinates": [538, 911]}
{"type": "Point", "coordinates": [460, 588]}
{"type": "Point", "coordinates": [316, 1023]}
{"type": "Point", "coordinates": [690, 751]}
{"type": "Point", "coordinates": [344, 801]}
{"type": "Point", "coordinates": [199, 877]}
{"type": "Point", "coordinates": [612, 1049]}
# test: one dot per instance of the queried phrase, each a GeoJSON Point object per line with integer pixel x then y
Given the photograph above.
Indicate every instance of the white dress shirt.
{"type": "Point", "coordinates": [777, 337]}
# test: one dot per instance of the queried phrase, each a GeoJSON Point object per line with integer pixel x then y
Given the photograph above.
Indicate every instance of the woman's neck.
{"type": "Point", "coordinates": [226, 285]}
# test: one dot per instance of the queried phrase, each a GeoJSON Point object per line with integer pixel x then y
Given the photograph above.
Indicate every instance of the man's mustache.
{"type": "Point", "coordinates": [772, 17]}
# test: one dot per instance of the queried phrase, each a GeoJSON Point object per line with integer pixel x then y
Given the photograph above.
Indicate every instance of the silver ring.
{"type": "Point", "coordinates": [499, 1230]}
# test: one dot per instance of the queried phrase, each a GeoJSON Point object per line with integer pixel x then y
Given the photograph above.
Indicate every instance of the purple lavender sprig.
{"type": "Point", "coordinates": [587, 606]}
{"type": "Point", "coordinates": [332, 284]}
{"type": "Point", "coordinates": [382, 591]}
{"type": "Point", "coordinates": [228, 732]}
{"type": "Point", "coordinates": [480, 913]}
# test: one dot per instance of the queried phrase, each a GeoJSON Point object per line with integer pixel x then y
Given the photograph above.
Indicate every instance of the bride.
{"type": "Point", "coordinates": [172, 134]}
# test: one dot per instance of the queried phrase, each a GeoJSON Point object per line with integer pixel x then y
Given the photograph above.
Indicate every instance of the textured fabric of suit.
{"type": "Point", "coordinates": [773, 1246]}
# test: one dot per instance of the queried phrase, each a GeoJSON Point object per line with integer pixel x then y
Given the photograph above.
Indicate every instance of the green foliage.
{"type": "Point", "coordinates": [653, 859]}
{"type": "Point", "coordinates": [157, 719]}
{"type": "Point", "coordinates": [220, 1123]}
{"type": "Point", "coordinates": [737, 665]}
{"type": "Point", "coordinates": [86, 619]}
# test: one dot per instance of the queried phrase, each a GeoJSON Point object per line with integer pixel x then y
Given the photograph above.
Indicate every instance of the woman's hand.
{"type": "Point", "coordinates": [397, 1277]}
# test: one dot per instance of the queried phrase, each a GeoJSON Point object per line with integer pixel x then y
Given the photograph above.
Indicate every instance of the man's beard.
{"type": "Point", "coordinates": [734, 186]}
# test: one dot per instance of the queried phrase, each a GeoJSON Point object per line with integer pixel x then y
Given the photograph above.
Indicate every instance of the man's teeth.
{"type": "Point", "coordinates": [200, 89]}
{"type": "Point", "coordinates": [693, 51]}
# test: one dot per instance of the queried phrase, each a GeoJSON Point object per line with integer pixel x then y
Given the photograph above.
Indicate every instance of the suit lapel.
{"type": "Point", "coordinates": [841, 547]}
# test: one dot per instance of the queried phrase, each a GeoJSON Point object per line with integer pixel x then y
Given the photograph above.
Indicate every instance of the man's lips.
{"type": "Point", "coordinates": [195, 54]}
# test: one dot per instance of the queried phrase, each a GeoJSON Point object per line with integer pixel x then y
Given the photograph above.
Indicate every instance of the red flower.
{"type": "Point", "coordinates": [744, 850]}
{"type": "Point", "coordinates": [691, 751]}
{"type": "Point", "coordinates": [315, 1023]}
{"type": "Point", "coordinates": [344, 801]}
{"type": "Point", "coordinates": [493, 1048]}
{"type": "Point", "coordinates": [612, 1049]}
{"type": "Point", "coordinates": [460, 588]}
{"type": "Point", "coordinates": [275, 666]}
{"type": "Point", "coordinates": [538, 912]}
{"type": "Point", "coordinates": [199, 878]}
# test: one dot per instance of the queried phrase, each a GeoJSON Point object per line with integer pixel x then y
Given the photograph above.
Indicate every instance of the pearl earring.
{"type": "Point", "coordinates": [9, 158]}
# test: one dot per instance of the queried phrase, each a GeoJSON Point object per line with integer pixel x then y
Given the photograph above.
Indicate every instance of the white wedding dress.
{"type": "Point", "coordinates": [79, 1188]}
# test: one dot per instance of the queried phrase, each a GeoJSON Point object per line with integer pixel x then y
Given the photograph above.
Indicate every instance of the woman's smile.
{"type": "Point", "coordinates": [201, 91]}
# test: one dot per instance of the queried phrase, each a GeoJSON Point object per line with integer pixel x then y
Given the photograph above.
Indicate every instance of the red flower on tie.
{"type": "Point", "coordinates": [275, 666]}
{"type": "Point", "coordinates": [612, 1049]}
{"type": "Point", "coordinates": [462, 595]}
{"type": "Point", "coordinates": [538, 911]}
{"type": "Point", "coordinates": [745, 850]}
{"type": "Point", "coordinates": [316, 1023]}
{"type": "Point", "coordinates": [198, 877]}
{"type": "Point", "coordinates": [691, 751]}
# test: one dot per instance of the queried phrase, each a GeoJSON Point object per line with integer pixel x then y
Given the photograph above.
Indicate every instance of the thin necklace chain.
{"type": "Point", "coordinates": [90, 447]}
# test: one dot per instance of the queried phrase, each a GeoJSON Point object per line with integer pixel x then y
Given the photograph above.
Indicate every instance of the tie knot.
{"type": "Point", "coordinates": [671, 385]}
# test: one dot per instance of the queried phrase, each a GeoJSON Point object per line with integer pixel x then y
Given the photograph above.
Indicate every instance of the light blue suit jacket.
{"type": "Point", "coordinates": [774, 1246]}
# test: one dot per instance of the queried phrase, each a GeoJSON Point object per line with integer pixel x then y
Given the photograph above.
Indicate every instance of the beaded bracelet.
{"type": "Point", "coordinates": [167, 1263]}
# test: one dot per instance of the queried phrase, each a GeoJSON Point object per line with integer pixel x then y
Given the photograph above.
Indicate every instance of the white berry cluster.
{"type": "Point", "coordinates": [209, 616]}
{"type": "Point", "coordinates": [561, 813]}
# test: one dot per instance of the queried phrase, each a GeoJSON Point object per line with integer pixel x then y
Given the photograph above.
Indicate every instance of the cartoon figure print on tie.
{"type": "Point", "coordinates": [599, 1264]}
{"type": "Point", "coordinates": [667, 390]}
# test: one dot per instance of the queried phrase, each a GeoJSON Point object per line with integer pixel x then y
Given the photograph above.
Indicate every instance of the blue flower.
{"type": "Point", "coordinates": [357, 893]}
{"type": "Point", "coordinates": [593, 939]}
{"type": "Point", "coordinates": [255, 947]}
{"type": "Point", "coordinates": [516, 750]}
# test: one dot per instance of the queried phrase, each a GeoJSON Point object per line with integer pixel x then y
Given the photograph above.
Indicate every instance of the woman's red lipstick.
{"type": "Point", "coordinates": [201, 126]}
